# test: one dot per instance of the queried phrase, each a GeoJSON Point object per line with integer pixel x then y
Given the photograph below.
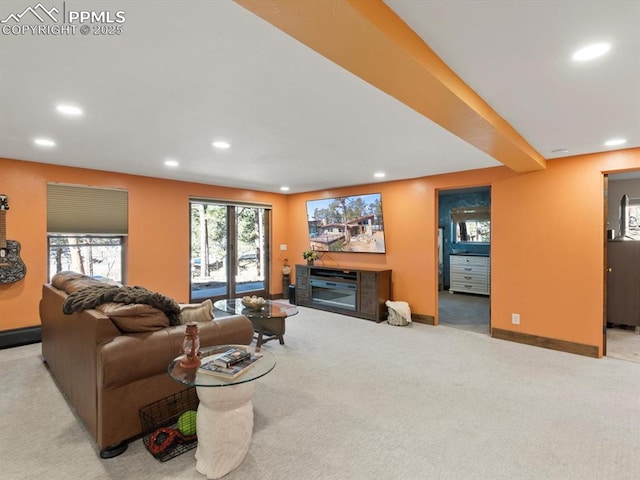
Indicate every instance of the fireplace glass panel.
{"type": "Point", "coordinates": [334, 294]}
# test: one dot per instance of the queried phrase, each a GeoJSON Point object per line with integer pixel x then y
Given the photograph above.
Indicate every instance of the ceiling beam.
{"type": "Point", "coordinates": [367, 38]}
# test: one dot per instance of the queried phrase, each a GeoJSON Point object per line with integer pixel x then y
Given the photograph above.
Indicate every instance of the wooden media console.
{"type": "Point", "coordinates": [357, 292]}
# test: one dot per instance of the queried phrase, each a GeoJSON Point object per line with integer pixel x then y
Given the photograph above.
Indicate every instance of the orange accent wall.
{"type": "Point", "coordinates": [547, 251]}
{"type": "Point", "coordinates": [410, 227]}
{"type": "Point", "coordinates": [158, 242]}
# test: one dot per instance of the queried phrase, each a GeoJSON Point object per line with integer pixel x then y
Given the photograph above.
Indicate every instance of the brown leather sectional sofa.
{"type": "Point", "coordinates": [107, 374]}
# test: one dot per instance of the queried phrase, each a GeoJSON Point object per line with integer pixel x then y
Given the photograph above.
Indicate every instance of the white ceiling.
{"type": "Point", "coordinates": [185, 73]}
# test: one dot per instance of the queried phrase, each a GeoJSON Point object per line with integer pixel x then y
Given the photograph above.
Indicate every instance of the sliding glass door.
{"type": "Point", "coordinates": [250, 265]}
{"type": "Point", "coordinates": [229, 250]}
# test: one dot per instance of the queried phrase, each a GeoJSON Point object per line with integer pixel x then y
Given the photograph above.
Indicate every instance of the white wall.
{"type": "Point", "coordinates": [618, 188]}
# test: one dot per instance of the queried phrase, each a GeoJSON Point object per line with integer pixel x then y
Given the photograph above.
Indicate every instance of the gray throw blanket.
{"type": "Point", "coordinates": [94, 295]}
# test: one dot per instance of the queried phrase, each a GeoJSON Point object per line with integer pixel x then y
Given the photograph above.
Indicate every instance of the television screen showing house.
{"type": "Point", "coordinates": [346, 224]}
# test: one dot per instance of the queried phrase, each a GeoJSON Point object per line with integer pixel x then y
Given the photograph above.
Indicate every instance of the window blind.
{"type": "Point", "coordinates": [87, 210]}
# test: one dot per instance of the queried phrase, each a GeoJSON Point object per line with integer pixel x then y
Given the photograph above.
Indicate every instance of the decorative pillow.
{"type": "Point", "coordinates": [196, 312]}
{"type": "Point", "coordinates": [134, 317]}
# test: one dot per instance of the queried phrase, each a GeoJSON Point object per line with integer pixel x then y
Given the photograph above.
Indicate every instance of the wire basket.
{"type": "Point", "coordinates": [159, 422]}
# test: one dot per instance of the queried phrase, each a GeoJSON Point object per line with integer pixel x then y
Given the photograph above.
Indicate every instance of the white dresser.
{"type": "Point", "coordinates": [470, 274]}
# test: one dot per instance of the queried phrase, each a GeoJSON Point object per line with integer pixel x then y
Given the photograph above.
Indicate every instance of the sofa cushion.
{"type": "Point", "coordinates": [134, 317]}
{"type": "Point", "coordinates": [196, 312]}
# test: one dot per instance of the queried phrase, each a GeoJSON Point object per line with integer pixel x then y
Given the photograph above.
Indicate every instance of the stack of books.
{"type": "Point", "coordinates": [230, 364]}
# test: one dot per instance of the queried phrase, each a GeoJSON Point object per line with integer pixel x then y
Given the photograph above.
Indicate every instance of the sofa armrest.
{"type": "Point", "coordinates": [234, 329]}
{"type": "Point", "coordinates": [69, 345]}
{"type": "Point", "coordinates": [96, 327]}
{"type": "Point", "coordinates": [131, 357]}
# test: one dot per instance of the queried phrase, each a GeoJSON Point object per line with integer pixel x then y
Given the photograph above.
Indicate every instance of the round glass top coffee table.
{"type": "Point", "coordinates": [268, 321]}
{"type": "Point", "coordinates": [224, 423]}
{"type": "Point", "coordinates": [195, 378]}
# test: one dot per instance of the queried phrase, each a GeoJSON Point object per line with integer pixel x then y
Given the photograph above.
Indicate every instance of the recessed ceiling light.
{"type": "Point", "coordinates": [614, 142]}
{"type": "Point", "coordinates": [70, 110]}
{"type": "Point", "coordinates": [44, 142]}
{"type": "Point", "coordinates": [221, 144]}
{"type": "Point", "coordinates": [591, 52]}
{"type": "Point", "coordinates": [284, 189]}
{"type": "Point", "coordinates": [379, 174]}
{"type": "Point", "coordinates": [171, 163]}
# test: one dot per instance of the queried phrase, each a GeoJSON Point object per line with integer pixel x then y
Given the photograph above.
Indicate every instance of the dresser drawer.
{"type": "Point", "coordinates": [459, 260]}
{"type": "Point", "coordinates": [469, 269]}
{"type": "Point", "coordinates": [468, 278]}
{"type": "Point", "coordinates": [469, 287]}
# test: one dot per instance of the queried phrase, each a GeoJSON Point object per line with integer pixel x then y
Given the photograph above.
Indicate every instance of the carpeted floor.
{"type": "Point", "coordinates": [352, 399]}
{"type": "Point", "coordinates": [472, 313]}
{"type": "Point", "coordinates": [464, 311]}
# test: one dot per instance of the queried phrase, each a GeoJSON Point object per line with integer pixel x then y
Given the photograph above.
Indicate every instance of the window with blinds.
{"type": "Point", "coordinates": [87, 228]}
{"type": "Point", "coordinates": [80, 209]}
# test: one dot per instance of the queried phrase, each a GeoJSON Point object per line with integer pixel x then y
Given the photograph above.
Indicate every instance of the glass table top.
{"type": "Point", "coordinates": [270, 310]}
{"type": "Point", "coordinates": [194, 378]}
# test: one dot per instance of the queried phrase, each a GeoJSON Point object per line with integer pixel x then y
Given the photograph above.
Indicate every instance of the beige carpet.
{"type": "Point", "coordinates": [352, 399]}
{"type": "Point", "coordinates": [472, 313]}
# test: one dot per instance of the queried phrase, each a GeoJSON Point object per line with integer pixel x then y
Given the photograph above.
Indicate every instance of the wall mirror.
{"type": "Point", "coordinates": [471, 224]}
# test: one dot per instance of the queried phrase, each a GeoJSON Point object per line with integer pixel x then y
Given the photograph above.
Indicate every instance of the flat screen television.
{"type": "Point", "coordinates": [347, 224]}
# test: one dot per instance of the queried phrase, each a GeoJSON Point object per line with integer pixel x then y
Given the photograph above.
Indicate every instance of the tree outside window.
{"type": "Point", "coordinates": [95, 256]}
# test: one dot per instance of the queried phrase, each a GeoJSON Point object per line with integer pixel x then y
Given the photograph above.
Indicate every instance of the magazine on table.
{"type": "Point", "coordinates": [210, 367]}
{"type": "Point", "coordinates": [231, 357]}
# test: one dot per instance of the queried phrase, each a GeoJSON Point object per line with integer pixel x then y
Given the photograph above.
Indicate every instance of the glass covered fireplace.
{"type": "Point", "coordinates": [356, 293]}
{"type": "Point", "coordinates": [334, 293]}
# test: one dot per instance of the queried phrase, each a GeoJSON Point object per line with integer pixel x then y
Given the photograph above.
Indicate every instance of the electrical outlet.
{"type": "Point", "coordinates": [515, 318]}
{"type": "Point", "coordinates": [283, 246]}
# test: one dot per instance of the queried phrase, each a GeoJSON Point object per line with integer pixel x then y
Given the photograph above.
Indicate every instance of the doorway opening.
{"type": "Point", "coordinates": [464, 258]}
{"type": "Point", "coordinates": [229, 250]}
{"type": "Point", "coordinates": [621, 331]}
